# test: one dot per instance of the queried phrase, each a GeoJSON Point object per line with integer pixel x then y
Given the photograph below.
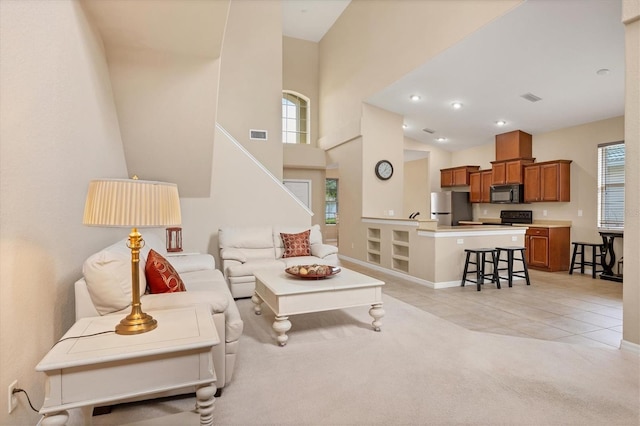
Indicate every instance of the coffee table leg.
{"type": "Point", "coordinates": [205, 402]}
{"type": "Point", "coordinates": [257, 301]}
{"type": "Point", "coordinates": [376, 312]}
{"type": "Point", "coordinates": [281, 326]}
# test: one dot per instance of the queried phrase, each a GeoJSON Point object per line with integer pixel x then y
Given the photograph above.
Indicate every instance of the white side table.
{"type": "Point", "coordinates": [107, 368]}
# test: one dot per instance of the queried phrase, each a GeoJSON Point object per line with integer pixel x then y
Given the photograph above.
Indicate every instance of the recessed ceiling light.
{"type": "Point", "coordinates": [441, 139]}
{"type": "Point", "coordinates": [603, 71]}
{"type": "Point", "coordinates": [415, 97]}
{"type": "Point", "coordinates": [500, 123]}
{"type": "Point", "coordinates": [456, 105]}
{"type": "Point", "coordinates": [404, 126]}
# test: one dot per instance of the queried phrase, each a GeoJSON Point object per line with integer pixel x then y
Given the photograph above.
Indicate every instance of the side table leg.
{"type": "Point", "coordinates": [205, 402]}
{"type": "Point", "coordinates": [281, 326]}
{"type": "Point", "coordinates": [59, 418]}
{"type": "Point", "coordinates": [257, 302]}
{"type": "Point", "coordinates": [377, 313]}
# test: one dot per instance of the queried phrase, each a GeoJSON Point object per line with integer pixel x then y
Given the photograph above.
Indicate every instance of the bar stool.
{"type": "Point", "coordinates": [596, 257]}
{"type": "Point", "coordinates": [480, 261]}
{"type": "Point", "coordinates": [511, 250]}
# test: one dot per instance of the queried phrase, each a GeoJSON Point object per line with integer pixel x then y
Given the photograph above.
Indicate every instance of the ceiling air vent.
{"type": "Point", "coordinates": [531, 97]}
{"type": "Point", "coordinates": [260, 135]}
{"type": "Point", "coordinates": [428, 130]}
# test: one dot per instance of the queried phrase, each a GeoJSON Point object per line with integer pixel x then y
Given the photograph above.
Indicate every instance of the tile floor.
{"type": "Point", "coordinates": [556, 306]}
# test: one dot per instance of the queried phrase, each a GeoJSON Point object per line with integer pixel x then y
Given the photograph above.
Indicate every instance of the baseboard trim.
{"type": "Point", "coordinates": [630, 347]}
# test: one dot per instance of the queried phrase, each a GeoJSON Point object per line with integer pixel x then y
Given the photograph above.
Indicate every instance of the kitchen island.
{"type": "Point", "coordinates": [429, 254]}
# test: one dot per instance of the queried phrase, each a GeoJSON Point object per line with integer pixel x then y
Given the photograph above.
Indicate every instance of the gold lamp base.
{"type": "Point", "coordinates": [137, 321]}
{"type": "Point", "coordinates": [136, 324]}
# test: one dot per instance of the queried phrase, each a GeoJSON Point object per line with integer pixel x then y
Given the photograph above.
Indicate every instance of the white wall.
{"type": "Point", "coordinates": [631, 293]}
{"type": "Point", "coordinates": [167, 107]}
{"type": "Point", "coordinates": [58, 130]}
{"type": "Point", "coordinates": [416, 188]}
{"type": "Point", "coordinates": [243, 194]}
{"type": "Point", "coordinates": [250, 94]}
{"type": "Point", "coordinates": [382, 139]}
{"type": "Point", "coordinates": [300, 74]}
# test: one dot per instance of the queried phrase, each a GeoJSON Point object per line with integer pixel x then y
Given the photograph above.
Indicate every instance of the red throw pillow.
{"type": "Point", "coordinates": [161, 277]}
{"type": "Point", "coordinates": [296, 244]}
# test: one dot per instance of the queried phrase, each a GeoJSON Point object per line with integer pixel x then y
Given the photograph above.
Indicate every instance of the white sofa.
{"type": "Point", "coordinates": [244, 250]}
{"type": "Point", "coordinates": [105, 289]}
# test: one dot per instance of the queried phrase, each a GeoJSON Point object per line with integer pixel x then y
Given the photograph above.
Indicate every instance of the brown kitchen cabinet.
{"type": "Point", "coordinates": [480, 186]}
{"type": "Point", "coordinates": [456, 176]}
{"type": "Point", "coordinates": [513, 145]}
{"type": "Point", "coordinates": [547, 249]}
{"type": "Point", "coordinates": [508, 172]}
{"type": "Point", "coordinates": [547, 181]}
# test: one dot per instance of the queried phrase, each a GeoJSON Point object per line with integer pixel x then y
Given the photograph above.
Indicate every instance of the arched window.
{"type": "Point", "coordinates": [295, 118]}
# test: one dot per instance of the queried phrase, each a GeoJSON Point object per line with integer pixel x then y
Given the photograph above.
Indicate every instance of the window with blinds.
{"type": "Point", "coordinates": [611, 185]}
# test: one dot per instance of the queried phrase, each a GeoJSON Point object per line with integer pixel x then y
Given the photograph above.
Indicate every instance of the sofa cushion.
{"type": "Point", "coordinates": [152, 241]}
{"type": "Point", "coordinates": [108, 277]}
{"type": "Point", "coordinates": [243, 269]}
{"type": "Point", "coordinates": [217, 301]}
{"type": "Point", "coordinates": [161, 276]}
{"type": "Point", "coordinates": [246, 237]}
{"type": "Point", "coordinates": [203, 280]}
{"type": "Point", "coordinates": [191, 262]}
{"type": "Point", "coordinates": [296, 244]}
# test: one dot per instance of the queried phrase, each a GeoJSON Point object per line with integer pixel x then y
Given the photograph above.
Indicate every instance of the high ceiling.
{"type": "Point", "coordinates": [310, 19]}
{"type": "Point", "coordinates": [549, 48]}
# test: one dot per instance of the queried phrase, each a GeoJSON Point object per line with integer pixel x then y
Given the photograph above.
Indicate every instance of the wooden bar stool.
{"type": "Point", "coordinates": [597, 251]}
{"type": "Point", "coordinates": [480, 261]}
{"type": "Point", "coordinates": [511, 250]}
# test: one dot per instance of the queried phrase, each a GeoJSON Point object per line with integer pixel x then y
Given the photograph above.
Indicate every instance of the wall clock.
{"type": "Point", "coordinates": [384, 169]}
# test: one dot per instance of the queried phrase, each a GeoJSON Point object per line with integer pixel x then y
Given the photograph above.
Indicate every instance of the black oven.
{"type": "Point", "coordinates": [507, 194]}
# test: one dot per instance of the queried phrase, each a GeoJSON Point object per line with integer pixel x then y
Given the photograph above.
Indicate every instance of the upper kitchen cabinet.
{"type": "Point", "coordinates": [513, 145]}
{"type": "Point", "coordinates": [511, 171]}
{"type": "Point", "coordinates": [456, 176]}
{"type": "Point", "coordinates": [547, 181]}
{"type": "Point", "coordinates": [480, 186]}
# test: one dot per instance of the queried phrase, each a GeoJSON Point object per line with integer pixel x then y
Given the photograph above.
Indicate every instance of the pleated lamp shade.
{"type": "Point", "coordinates": [132, 203]}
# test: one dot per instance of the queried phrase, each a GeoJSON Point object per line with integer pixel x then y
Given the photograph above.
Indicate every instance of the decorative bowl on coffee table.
{"type": "Point", "coordinates": [312, 272]}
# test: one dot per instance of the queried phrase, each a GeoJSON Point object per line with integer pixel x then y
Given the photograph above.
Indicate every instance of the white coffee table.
{"type": "Point", "coordinates": [287, 295]}
{"type": "Point", "coordinates": [107, 368]}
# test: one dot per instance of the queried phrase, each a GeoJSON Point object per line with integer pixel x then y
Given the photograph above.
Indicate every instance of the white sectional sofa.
{"type": "Point", "coordinates": [105, 289]}
{"type": "Point", "coordinates": [244, 250]}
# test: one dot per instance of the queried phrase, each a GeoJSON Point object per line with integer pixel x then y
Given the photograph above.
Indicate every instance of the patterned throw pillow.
{"type": "Point", "coordinates": [296, 244]}
{"type": "Point", "coordinates": [161, 277]}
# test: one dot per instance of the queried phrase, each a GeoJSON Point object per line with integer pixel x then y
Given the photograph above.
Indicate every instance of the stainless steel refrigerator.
{"type": "Point", "coordinates": [449, 207]}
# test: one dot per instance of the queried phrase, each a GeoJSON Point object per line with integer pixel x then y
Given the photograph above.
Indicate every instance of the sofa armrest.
{"type": "Point", "coordinates": [323, 250]}
{"type": "Point", "coordinates": [83, 302]}
{"type": "Point", "coordinates": [192, 262]}
{"type": "Point", "coordinates": [233, 254]}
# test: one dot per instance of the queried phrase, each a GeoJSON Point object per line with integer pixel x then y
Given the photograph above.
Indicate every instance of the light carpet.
{"type": "Point", "coordinates": [420, 369]}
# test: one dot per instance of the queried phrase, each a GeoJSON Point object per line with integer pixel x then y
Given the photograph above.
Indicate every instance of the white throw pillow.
{"type": "Point", "coordinates": [108, 277]}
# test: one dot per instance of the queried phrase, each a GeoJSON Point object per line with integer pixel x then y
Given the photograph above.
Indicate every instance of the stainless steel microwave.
{"type": "Point", "coordinates": [507, 194]}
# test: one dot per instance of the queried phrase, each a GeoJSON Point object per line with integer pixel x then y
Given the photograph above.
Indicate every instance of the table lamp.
{"type": "Point", "coordinates": [133, 203]}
